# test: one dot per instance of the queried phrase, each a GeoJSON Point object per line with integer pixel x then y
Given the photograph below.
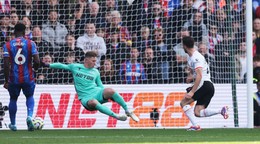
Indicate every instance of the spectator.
{"type": "Point", "coordinates": [112, 5]}
{"type": "Point", "coordinates": [178, 18]}
{"type": "Point", "coordinates": [181, 55]}
{"type": "Point", "coordinates": [14, 19]}
{"type": "Point", "coordinates": [34, 10]}
{"type": "Point", "coordinates": [95, 16]}
{"type": "Point", "coordinates": [257, 106]}
{"type": "Point", "coordinates": [70, 58]}
{"type": "Point", "coordinates": [69, 47]}
{"type": "Point", "coordinates": [165, 57]}
{"type": "Point", "coordinates": [255, 48]}
{"type": "Point", "coordinates": [136, 13]}
{"type": "Point", "coordinates": [156, 18]}
{"type": "Point", "coordinates": [240, 59]}
{"type": "Point", "coordinates": [238, 33]}
{"type": "Point", "coordinates": [79, 13]}
{"type": "Point", "coordinates": [90, 41]}
{"type": "Point", "coordinates": [256, 27]}
{"type": "Point", "coordinates": [144, 41]}
{"type": "Point", "coordinates": [221, 20]}
{"type": "Point", "coordinates": [108, 19]}
{"type": "Point", "coordinates": [117, 51]}
{"type": "Point", "coordinates": [4, 27]}
{"type": "Point", "coordinates": [198, 30]}
{"type": "Point", "coordinates": [25, 8]}
{"type": "Point", "coordinates": [42, 45]}
{"type": "Point", "coordinates": [27, 23]}
{"type": "Point", "coordinates": [256, 61]}
{"type": "Point", "coordinates": [5, 7]}
{"type": "Point", "coordinates": [71, 24]}
{"type": "Point", "coordinates": [131, 71]}
{"type": "Point", "coordinates": [224, 59]}
{"type": "Point", "coordinates": [54, 5]}
{"type": "Point", "coordinates": [101, 33]}
{"type": "Point", "coordinates": [116, 23]}
{"type": "Point", "coordinates": [152, 71]}
{"type": "Point", "coordinates": [38, 16]}
{"type": "Point", "coordinates": [256, 70]}
{"type": "Point", "coordinates": [107, 72]}
{"type": "Point", "coordinates": [214, 38]}
{"type": "Point", "coordinates": [53, 31]}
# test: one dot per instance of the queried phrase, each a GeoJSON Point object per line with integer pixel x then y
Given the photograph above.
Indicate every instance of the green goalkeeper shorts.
{"type": "Point", "coordinates": [98, 96]}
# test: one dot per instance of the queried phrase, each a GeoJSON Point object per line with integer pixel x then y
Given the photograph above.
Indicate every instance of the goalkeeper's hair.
{"type": "Point", "coordinates": [90, 54]}
{"type": "Point", "coordinates": [188, 41]}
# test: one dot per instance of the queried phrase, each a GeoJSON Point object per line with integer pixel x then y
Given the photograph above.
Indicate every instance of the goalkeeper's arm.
{"type": "Point", "coordinates": [56, 66]}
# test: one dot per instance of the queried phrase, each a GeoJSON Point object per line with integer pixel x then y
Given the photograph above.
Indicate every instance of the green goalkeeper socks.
{"type": "Point", "coordinates": [119, 99]}
{"type": "Point", "coordinates": [105, 110]}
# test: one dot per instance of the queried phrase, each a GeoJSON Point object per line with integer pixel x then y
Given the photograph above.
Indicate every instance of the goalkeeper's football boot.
{"type": "Point", "coordinates": [29, 124]}
{"type": "Point", "coordinates": [224, 112]}
{"type": "Point", "coordinates": [133, 116]}
{"type": "Point", "coordinates": [121, 117]}
{"type": "Point", "coordinates": [12, 127]}
{"type": "Point", "coordinates": [194, 128]}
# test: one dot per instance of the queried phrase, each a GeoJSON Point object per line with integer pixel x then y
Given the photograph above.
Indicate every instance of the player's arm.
{"type": "Point", "coordinates": [35, 56]}
{"type": "Point", "coordinates": [196, 83]}
{"type": "Point", "coordinates": [6, 68]}
{"type": "Point", "coordinates": [99, 82]}
{"type": "Point", "coordinates": [56, 66]}
{"type": "Point", "coordinates": [36, 62]}
{"type": "Point", "coordinates": [59, 66]}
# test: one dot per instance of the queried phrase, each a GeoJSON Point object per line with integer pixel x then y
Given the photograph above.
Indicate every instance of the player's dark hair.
{"type": "Point", "coordinates": [19, 29]}
{"type": "Point", "coordinates": [188, 41]}
{"type": "Point", "coordinates": [90, 54]}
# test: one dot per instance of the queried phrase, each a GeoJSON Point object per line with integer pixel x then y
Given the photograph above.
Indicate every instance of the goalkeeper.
{"type": "Point", "coordinates": [90, 89]}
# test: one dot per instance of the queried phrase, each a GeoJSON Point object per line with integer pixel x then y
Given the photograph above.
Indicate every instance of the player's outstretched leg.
{"type": "Point", "coordinates": [121, 117]}
{"type": "Point", "coordinates": [29, 124]}
{"type": "Point", "coordinates": [224, 112]}
{"type": "Point", "coordinates": [132, 115]}
{"type": "Point", "coordinates": [117, 98]}
{"type": "Point", "coordinates": [107, 111]}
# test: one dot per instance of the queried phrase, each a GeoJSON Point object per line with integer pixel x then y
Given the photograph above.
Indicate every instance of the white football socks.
{"type": "Point", "coordinates": [208, 112]}
{"type": "Point", "coordinates": [189, 113]}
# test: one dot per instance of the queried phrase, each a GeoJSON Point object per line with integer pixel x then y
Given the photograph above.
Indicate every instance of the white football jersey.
{"type": "Point", "coordinates": [197, 60]}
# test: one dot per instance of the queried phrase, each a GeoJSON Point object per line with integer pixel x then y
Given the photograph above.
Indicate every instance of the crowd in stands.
{"type": "Point", "coordinates": [137, 42]}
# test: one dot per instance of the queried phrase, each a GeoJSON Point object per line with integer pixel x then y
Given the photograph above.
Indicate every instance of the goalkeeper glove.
{"type": "Point", "coordinates": [44, 64]}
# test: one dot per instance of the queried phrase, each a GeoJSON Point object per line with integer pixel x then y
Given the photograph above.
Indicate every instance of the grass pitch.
{"type": "Point", "coordinates": [132, 136]}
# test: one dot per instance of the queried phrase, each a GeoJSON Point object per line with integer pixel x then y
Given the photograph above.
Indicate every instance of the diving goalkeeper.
{"type": "Point", "coordinates": [90, 89]}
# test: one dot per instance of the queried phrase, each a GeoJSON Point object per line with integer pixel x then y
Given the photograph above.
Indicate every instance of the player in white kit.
{"type": "Point", "coordinates": [202, 89]}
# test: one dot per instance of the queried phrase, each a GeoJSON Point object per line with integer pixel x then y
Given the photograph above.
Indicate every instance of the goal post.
{"type": "Point", "coordinates": [249, 34]}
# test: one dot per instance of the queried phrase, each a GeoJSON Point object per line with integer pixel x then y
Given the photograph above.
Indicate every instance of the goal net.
{"type": "Point", "coordinates": [140, 54]}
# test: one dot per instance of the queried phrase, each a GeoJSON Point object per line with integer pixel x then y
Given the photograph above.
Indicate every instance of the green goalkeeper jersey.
{"type": "Point", "coordinates": [87, 81]}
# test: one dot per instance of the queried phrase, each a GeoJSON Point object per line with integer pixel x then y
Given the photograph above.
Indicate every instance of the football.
{"type": "Point", "coordinates": [38, 123]}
